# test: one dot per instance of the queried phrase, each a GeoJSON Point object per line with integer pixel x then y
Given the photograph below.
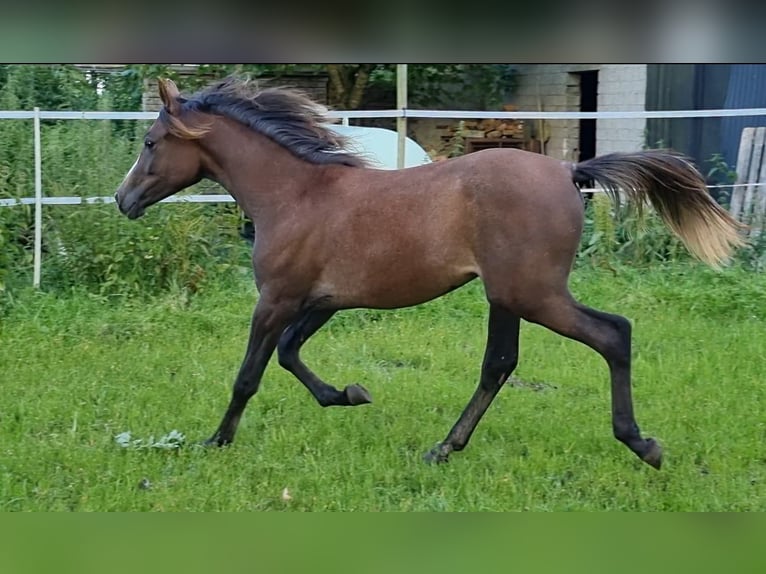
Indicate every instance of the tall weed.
{"type": "Point", "coordinates": [177, 246]}
{"type": "Point", "coordinates": [613, 236]}
{"type": "Point", "coordinates": [92, 246]}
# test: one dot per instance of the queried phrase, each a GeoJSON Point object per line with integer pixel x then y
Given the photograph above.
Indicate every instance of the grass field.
{"type": "Point", "coordinates": [79, 370]}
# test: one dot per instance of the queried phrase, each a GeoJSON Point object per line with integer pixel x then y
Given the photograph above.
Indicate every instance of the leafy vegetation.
{"type": "Point", "coordinates": [92, 246]}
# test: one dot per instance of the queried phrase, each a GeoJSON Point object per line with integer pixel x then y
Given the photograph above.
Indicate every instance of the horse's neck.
{"type": "Point", "coordinates": [261, 175]}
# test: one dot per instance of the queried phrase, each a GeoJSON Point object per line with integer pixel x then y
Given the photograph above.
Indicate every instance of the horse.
{"type": "Point", "coordinates": [333, 234]}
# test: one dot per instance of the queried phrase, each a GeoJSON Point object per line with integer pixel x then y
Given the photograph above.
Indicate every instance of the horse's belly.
{"type": "Point", "coordinates": [400, 284]}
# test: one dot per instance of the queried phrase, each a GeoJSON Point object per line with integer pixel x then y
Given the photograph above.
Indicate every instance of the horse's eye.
{"type": "Point", "coordinates": [148, 143]}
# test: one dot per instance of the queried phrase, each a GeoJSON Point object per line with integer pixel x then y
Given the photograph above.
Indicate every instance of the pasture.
{"type": "Point", "coordinates": [80, 369]}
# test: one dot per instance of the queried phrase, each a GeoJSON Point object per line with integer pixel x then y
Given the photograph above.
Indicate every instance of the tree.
{"type": "Point", "coordinates": [49, 87]}
{"type": "Point", "coordinates": [456, 86]}
{"type": "Point", "coordinates": [467, 86]}
{"type": "Point", "coordinates": [347, 84]}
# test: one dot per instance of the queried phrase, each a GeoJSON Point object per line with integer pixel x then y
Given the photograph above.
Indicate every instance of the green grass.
{"type": "Point", "coordinates": [77, 371]}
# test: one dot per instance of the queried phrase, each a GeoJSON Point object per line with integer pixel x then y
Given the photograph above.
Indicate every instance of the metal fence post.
{"type": "Point", "coordinates": [38, 203]}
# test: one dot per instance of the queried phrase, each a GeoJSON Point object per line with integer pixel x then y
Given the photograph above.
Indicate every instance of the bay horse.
{"type": "Point", "coordinates": [333, 234]}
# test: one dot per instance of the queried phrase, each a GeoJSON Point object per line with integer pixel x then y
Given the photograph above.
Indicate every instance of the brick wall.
{"type": "Point", "coordinates": [556, 88]}
{"type": "Point", "coordinates": [621, 88]}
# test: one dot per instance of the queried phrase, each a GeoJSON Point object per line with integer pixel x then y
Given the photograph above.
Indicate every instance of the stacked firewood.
{"type": "Point", "coordinates": [470, 135]}
{"type": "Point", "coordinates": [488, 128]}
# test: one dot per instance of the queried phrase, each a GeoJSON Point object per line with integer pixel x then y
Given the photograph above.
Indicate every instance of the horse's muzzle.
{"type": "Point", "coordinates": [119, 203]}
{"type": "Point", "coordinates": [132, 210]}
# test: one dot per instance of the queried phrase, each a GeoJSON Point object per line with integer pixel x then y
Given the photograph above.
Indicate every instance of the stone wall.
{"type": "Point", "coordinates": [556, 88]}
{"type": "Point", "coordinates": [621, 88]}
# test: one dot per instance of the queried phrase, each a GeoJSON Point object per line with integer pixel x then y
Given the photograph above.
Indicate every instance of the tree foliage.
{"type": "Point", "coordinates": [49, 87]}
{"type": "Point", "coordinates": [350, 86]}
{"type": "Point", "coordinates": [457, 86]}
{"type": "Point", "coordinates": [353, 86]}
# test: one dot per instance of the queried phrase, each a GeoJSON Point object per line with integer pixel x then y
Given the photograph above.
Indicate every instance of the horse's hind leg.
{"type": "Point", "coordinates": [500, 358]}
{"type": "Point", "coordinates": [610, 336]}
{"type": "Point", "coordinates": [288, 350]}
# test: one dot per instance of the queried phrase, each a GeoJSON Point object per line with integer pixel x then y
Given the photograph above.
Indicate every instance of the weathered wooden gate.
{"type": "Point", "coordinates": [748, 198]}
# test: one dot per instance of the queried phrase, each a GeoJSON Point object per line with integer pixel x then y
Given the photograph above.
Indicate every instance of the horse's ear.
{"type": "Point", "coordinates": [169, 95]}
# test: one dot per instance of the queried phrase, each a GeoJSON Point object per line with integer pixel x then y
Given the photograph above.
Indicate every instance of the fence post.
{"type": "Point", "coordinates": [401, 122]}
{"type": "Point", "coordinates": [38, 203]}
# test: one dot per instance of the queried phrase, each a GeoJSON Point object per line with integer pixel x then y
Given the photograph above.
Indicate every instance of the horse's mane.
{"type": "Point", "coordinates": [285, 115]}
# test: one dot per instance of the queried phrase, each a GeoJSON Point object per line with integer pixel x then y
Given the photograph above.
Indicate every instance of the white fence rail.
{"type": "Point", "coordinates": [409, 113]}
{"type": "Point", "coordinates": [37, 115]}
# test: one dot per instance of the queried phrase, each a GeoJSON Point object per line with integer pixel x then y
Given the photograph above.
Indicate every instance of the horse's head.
{"type": "Point", "coordinates": [170, 160]}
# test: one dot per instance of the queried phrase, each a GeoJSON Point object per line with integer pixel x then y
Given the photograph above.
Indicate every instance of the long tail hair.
{"type": "Point", "coordinates": [676, 190]}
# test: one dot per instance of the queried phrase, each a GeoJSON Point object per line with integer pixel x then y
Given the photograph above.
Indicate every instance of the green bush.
{"type": "Point", "coordinates": [624, 237]}
{"type": "Point", "coordinates": [176, 246]}
{"type": "Point", "coordinates": [93, 247]}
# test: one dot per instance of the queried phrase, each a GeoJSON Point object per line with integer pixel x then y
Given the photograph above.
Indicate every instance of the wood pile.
{"type": "Point", "coordinates": [473, 135]}
{"type": "Point", "coordinates": [489, 128]}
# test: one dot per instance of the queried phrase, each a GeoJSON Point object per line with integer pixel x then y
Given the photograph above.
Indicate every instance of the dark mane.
{"type": "Point", "coordinates": [287, 116]}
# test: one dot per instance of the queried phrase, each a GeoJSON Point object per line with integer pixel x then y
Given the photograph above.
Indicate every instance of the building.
{"type": "Point", "coordinates": [583, 87]}
{"type": "Point", "coordinates": [637, 87]}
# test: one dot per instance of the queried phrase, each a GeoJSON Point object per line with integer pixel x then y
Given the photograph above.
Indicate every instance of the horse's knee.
{"type": "Point", "coordinates": [287, 351]}
{"type": "Point", "coordinates": [286, 355]}
{"type": "Point", "coordinates": [244, 388]}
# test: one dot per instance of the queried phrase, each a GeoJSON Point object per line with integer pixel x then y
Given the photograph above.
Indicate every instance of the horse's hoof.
{"type": "Point", "coordinates": [214, 441]}
{"type": "Point", "coordinates": [357, 395]}
{"type": "Point", "coordinates": [653, 456]}
{"type": "Point", "coordinates": [437, 455]}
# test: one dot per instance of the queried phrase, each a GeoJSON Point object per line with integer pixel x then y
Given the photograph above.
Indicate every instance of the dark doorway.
{"type": "Point", "coordinates": [587, 141]}
{"type": "Point", "coordinates": [588, 103]}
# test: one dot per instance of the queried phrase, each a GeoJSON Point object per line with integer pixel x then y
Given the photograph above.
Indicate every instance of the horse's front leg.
{"type": "Point", "coordinates": [288, 350]}
{"type": "Point", "coordinates": [269, 320]}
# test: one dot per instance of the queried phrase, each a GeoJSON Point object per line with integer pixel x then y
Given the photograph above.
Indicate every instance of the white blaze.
{"type": "Point", "coordinates": [127, 175]}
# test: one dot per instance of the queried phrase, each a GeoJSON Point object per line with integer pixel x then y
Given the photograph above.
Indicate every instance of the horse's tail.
{"type": "Point", "coordinates": [677, 192]}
